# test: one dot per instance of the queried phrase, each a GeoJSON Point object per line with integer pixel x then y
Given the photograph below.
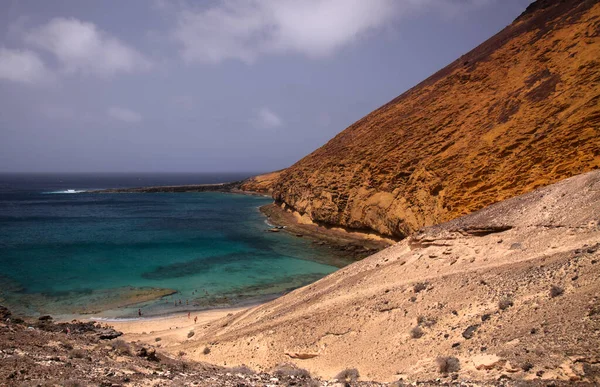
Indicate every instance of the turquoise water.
{"type": "Point", "coordinates": [71, 253]}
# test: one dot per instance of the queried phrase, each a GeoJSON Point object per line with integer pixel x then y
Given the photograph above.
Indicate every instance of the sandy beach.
{"type": "Point", "coordinates": [171, 330]}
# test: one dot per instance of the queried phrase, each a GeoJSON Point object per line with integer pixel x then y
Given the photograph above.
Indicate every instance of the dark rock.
{"type": "Point", "coordinates": [485, 317]}
{"type": "Point", "coordinates": [108, 334]}
{"type": "Point", "coordinates": [4, 313]}
{"type": "Point", "coordinates": [46, 318]}
{"type": "Point", "coordinates": [470, 331]}
{"type": "Point", "coordinates": [516, 246]}
{"type": "Point", "coordinates": [526, 366]}
{"type": "Point", "coordinates": [149, 354]}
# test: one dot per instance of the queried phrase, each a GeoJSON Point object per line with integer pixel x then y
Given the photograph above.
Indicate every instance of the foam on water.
{"type": "Point", "coordinates": [67, 191]}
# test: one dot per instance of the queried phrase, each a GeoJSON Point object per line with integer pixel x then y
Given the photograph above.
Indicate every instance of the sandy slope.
{"type": "Point", "coordinates": [362, 315]}
{"type": "Point", "coordinates": [172, 330]}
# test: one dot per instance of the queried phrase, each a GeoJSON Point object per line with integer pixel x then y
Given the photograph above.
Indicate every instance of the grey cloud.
{"type": "Point", "coordinates": [22, 66]}
{"type": "Point", "coordinates": [81, 47]}
{"type": "Point", "coordinates": [266, 119]}
{"type": "Point", "coordinates": [248, 29]}
{"type": "Point", "coordinates": [244, 30]}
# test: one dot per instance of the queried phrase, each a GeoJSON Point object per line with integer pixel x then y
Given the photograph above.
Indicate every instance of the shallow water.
{"type": "Point", "coordinates": [67, 252]}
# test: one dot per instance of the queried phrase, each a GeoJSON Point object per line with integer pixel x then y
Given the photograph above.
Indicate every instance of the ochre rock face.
{"type": "Point", "coordinates": [261, 183]}
{"type": "Point", "coordinates": [518, 112]}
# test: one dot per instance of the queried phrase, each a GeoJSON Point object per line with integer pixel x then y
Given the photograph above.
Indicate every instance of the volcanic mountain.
{"type": "Point", "coordinates": [518, 112]}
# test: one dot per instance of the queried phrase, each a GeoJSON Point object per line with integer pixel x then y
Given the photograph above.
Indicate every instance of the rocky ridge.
{"type": "Point", "coordinates": [518, 112]}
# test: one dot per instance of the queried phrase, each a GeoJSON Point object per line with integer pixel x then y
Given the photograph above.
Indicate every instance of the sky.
{"type": "Point", "coordinates": [212, 86]}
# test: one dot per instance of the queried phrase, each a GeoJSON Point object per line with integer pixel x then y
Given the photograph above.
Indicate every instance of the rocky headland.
{"type": "Point", "coordinates": [519, 112]}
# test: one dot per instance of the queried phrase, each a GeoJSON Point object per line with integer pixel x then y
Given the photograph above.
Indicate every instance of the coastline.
{"type": "Point", "coordinates": [218, 187]}
{"type": "Point", "coordinates": [349, 245]}
{"type": "Point", "coordinates": [345, 243]}
{"type": "Point", "coordinates": [352, 244]}
{"type": "Point", "coordinates": [169, 332]}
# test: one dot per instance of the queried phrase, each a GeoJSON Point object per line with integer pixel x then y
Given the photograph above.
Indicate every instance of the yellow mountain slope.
{"type": "Point", "coordinates": [518, 112]}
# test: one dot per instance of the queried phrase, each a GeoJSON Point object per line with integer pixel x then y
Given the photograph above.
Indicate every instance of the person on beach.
{"type": "Point", "coordinates": [195, 319]}
{"type": "Point", "coordinates": [139, 312]}
{"type": "Point", "coordinates": [188, 314]}
{"type": "Point", "coordinates": [187, 302]}
{"type": "Point", "coordinates": [179, 302]}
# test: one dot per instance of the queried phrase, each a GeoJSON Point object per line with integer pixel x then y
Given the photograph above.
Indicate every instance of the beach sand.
{"type": "Point", "coordinates": [171, 330]}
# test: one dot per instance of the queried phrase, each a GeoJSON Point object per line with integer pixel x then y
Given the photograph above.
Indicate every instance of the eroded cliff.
{"type": "Point", "coordinates": [518, 112]}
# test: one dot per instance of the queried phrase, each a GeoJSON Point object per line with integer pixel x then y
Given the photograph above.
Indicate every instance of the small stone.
{"type": "Point", "coordinates": [510, 368]}
{"type": "Point", "coordinates": [470, 331]}
{"type": "Point", "coordinates": [516, 246]}
{"type": "Point", "coordinates": [486, 362]}
{"type": "Point", "coordinates": [301, 355]}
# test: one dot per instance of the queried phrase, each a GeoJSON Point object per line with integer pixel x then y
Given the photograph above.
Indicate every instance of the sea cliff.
{"type": "Point", "coordinates": [518, 112]}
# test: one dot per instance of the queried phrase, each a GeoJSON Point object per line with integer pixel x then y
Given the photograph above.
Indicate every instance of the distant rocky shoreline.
{"type": "Point", "coordinates": [234, 186]}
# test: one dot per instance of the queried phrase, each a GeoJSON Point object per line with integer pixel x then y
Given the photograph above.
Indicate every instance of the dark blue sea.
{"type": "Point", "coordinates": [65, 251]}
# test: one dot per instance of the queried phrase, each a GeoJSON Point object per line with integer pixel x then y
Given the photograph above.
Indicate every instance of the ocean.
{"type": "Point", "coordinates": [68, 252]}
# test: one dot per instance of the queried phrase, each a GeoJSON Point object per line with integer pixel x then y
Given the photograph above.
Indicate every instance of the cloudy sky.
{"type": "Point", "coordinates": [228, 85]}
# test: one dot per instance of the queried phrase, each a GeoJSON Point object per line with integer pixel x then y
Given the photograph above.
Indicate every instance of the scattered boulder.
{"type": "Point", "coordinates": [447, 365]}
{"type": "Point", "coordinates": [486, 362]}
{"type": "Point", "coordinates": [470, 331]}
{"type": "Point", "coordinates": [301, 355]}
{"type": "Point", "coordinates": [108, 334]}
{"type": "Point", "coordinates": [510, 368]}
{"type": "Point", "coordinates": [149, 354]}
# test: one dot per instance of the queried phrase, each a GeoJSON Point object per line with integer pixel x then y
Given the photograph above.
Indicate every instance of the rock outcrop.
{"type": "Point", "coordinates": [261, 183]}
{"type": "Point", "coordinates": [518, 112]}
